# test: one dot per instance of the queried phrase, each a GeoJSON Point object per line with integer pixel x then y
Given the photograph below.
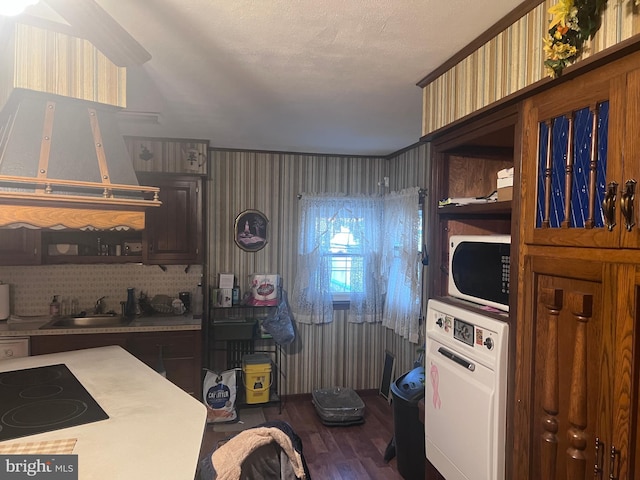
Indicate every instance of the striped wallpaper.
{"type": "Point", "coordinates": [36, 59]}
{"type": "Point", "coordinates": [511, 61]}
{"type": "Point", "coordinates": [336, 354]}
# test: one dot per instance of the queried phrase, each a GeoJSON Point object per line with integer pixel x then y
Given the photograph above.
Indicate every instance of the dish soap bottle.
{"type": "Point", "coordinates": [54, 307]}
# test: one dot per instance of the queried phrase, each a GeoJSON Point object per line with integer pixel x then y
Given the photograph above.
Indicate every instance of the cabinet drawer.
{"type": "Point", "coordinates": [41, 344]}
{"type": "Point", "coordinates": [14, 347]}
{"type": "Point", "coordinates": [174, 344]}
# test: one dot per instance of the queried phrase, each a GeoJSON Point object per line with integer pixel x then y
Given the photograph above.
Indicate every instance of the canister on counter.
{"type": "Point", "coordinates": [235, 297]}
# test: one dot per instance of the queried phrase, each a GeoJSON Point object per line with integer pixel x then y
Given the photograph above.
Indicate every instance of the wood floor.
{"type": "Point", "coordinates": [335, 453]}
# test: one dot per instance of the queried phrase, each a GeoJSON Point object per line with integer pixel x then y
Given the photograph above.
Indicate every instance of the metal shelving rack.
{"type": "Point", "coordinates": [233, 332]}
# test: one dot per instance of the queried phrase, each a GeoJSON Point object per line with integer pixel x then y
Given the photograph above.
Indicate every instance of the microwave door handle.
{"type": "Point", "coordinates": [459, 360]}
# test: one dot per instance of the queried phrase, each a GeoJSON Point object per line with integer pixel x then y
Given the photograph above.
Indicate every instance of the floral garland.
{"type": "Point", "coordinates": [573, 22]}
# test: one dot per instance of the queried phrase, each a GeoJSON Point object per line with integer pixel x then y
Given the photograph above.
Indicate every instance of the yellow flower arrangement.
{"type": "Point", "coordinates": [573, 22]}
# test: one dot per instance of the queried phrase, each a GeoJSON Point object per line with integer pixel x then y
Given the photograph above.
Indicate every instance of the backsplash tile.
{"type": "Point", "coordinates": [32, 288]}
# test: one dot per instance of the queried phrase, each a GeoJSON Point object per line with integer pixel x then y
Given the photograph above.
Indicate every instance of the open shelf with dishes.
{"type": "Point", "coordinates": [91, 247]}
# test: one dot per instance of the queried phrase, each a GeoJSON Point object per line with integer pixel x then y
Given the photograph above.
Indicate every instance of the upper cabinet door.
{"type": "Point", "coordinates": [20, 246]}
{"type": "Point", "coordinates": [173, 231]}
{"type": "Point", "coordinates": [579, 171]}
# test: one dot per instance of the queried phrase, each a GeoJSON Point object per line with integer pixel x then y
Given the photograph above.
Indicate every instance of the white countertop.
{"type": "Point", "coordinates": [29, 326]}
{"type": "Point", "coordinates": [154, 429]}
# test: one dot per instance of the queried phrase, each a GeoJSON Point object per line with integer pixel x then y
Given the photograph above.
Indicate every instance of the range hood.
{"type": "Point", "coordinates": [64, 163]}
{"type": "Point", "coordinates": [63, 160]}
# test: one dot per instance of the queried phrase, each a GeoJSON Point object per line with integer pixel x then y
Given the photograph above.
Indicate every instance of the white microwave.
{"type": "Point", "coordinates": [479, 269]}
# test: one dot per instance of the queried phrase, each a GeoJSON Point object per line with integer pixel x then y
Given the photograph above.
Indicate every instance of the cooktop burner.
{"type": "Point", "coordinates": [42, 399]}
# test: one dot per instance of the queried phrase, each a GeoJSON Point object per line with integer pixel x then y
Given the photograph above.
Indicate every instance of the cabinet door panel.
{"type": "Point", "coordinates": [581, 315]}
{"type": "Point", "coordinates": [571, 404]}
{"type": "Point", "coordinates": [181, 355]}
{"type": "Point", "coordinates": [173, 231]}
{"type": "Point", "coordinates": [19, 246]}
{"type": "Point", "coordinates": [625, 292]}
{"type": "Point", "coordinates": [631, 172]}
{"type": "Point", "coordinates": [571, 152]}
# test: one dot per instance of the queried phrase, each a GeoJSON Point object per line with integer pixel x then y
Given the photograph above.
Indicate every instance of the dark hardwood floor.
{"type": "Point", "coordinates": [335, 453]}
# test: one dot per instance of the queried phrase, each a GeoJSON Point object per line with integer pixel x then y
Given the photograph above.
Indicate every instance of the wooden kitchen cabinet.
{"type": "Point", "coordinates": [575, 404]}
{"type": "Point", "coordinates": [173, 231]}
{"type": "Point", "coordinates": [43, 344]}
{"type": "Point", "coordinates": [180, 351]}
{"type": "Point", "coordinates": [603, 168]}
{"type": "Point", "coordinates": [581, 316]}
{"type": "Point", "coordinates": [20, 246]}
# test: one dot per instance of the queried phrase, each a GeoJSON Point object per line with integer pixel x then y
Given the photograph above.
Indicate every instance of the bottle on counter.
{"type": "Point", "coordinates": [130, 305]}
{"type": "Point", "coordinates": [235, 298]}
{"type": "Point", "coordinates": [54, 307]}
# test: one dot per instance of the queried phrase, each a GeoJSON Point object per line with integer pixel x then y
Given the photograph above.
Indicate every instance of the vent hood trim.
{"type": "Point", "coordinates": [44, 168]}
{"type": "Point", "coordinates": [58, 218]}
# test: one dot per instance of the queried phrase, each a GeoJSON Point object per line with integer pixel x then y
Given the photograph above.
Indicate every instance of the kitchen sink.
{"type": "Point", "coordinates": [87, 321]}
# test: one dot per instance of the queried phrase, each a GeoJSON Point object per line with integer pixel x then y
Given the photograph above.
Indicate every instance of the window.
{"type": "Point", "coordinates": [344, 251]}
{"type": "Point", "coordinates": [339, 248]}
{"type": "Point", "coordinates": [365, 251]}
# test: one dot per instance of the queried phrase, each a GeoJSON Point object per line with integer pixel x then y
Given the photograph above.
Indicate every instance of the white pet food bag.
{"type": "Point", "coordinates": [219, 394]}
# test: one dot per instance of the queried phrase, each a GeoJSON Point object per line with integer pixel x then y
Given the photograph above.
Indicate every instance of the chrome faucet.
{"type": "Point", "coordinates": [99, 308]}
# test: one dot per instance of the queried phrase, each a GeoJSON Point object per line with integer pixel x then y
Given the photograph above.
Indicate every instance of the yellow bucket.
{"type": "Point", "coordinates": [256, 369]}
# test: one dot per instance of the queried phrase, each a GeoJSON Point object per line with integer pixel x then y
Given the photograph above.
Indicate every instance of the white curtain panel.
{"type": "Point", "coordinates": [401, 263]}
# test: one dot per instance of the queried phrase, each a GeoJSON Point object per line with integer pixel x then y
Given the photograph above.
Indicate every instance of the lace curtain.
{"type": "Point", "coordinates": [330, 226]}
{"type": "Point", "coordinates": [401, 263]}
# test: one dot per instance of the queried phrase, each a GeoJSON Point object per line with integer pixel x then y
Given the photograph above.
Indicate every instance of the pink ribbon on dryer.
{"type": "Point", "coordinates": [435, 380]}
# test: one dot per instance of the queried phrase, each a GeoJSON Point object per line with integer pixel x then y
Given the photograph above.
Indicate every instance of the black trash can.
{"type": "Point", "coordinates": [407, 391]}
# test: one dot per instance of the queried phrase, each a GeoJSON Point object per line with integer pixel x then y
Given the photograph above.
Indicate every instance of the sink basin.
{"type": "Point", "coordinates": [87, 321]}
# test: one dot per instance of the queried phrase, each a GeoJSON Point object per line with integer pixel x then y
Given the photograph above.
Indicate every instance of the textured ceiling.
{"type": "Point", "coordinates": [317, 76]}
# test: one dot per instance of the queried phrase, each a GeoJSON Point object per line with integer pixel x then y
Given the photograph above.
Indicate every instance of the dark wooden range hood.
{"type": "Point", "coordinates": [63, 160]}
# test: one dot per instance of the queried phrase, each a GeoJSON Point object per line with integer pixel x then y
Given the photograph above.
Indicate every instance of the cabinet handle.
{"type": "Point", "coordinates": [626, 203]}
{"type": "Point", "coordinates": [613, 473]}
{"type": "Point", "coordinates": [609, 205]}
{"type": "Point", "coordinates": [599, 456]}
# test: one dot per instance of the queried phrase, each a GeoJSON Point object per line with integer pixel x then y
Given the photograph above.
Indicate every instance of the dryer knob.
{"type": "Point", "coordinates": [489, 343]}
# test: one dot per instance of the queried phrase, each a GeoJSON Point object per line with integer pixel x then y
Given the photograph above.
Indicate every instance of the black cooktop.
{"type": "Point", "coordinates": [43, 399]}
